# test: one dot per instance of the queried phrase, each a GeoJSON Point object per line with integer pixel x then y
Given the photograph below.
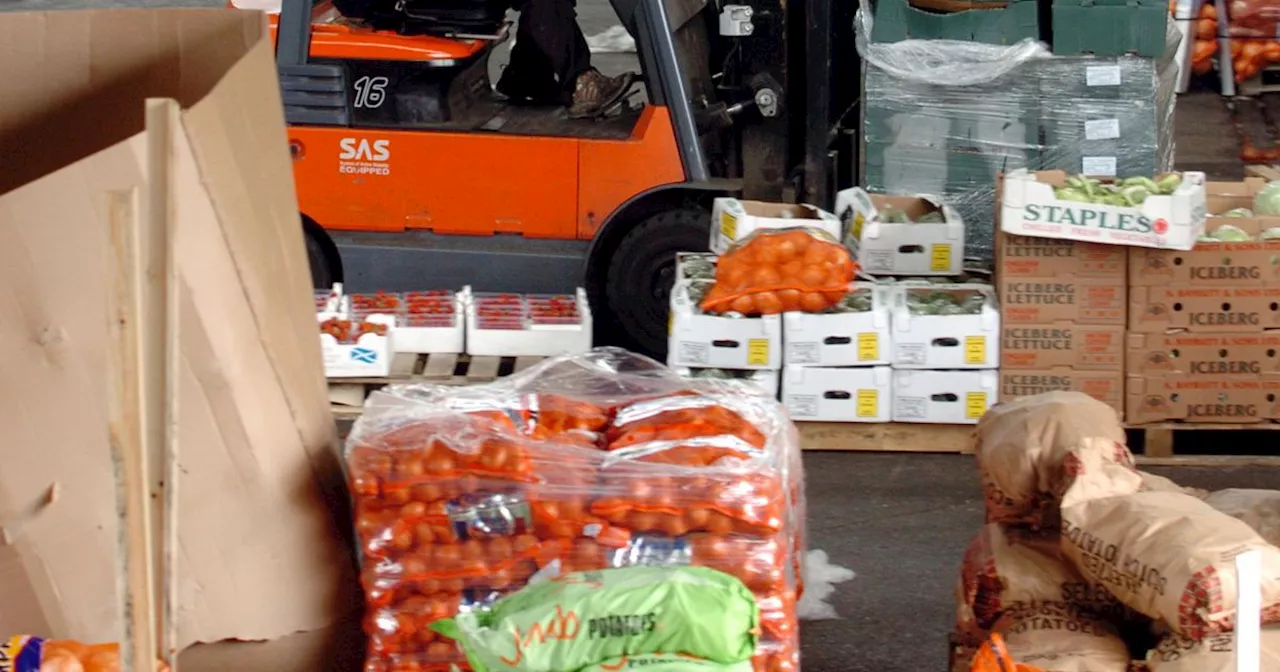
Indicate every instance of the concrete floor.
{"type": "Point", "coordinates": [900, 521]}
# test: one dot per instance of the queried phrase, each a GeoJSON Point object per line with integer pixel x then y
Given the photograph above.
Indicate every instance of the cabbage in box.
{"type": "Point", "coordinates": [946, 397]}
{"type": "Point", "coordinates": [902, 235]}
{"type": "Point", "coordinates": [861, 394]}
{"type": "Point", "coordinates": [697, 340]}
{"type": "Point", "coordinates": [945, 327]}
{"type": "Point", "coordinates": [733, 220]}
{"type": "Point", "coordinates": [1164, 214]}
{"type": "Point", "coordinates": [855, 333]}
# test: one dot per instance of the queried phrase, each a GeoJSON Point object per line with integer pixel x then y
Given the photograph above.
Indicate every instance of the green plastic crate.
{"type": "Point", "coordinates": [1110, 27]}
{"type": "Point", "coordinates": [897, 20]}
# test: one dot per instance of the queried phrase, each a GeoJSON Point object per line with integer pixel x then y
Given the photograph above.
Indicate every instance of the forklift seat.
{"type": "Point", "coordinates": [428, 17]}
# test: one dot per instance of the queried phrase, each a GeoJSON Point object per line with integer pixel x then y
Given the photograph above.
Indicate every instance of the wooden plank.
{"type": "Point", "coordinates": [402, 364]}
{"type": "Point", "coordinates": [483, 369]}
{"type": "Point", "coordinates": [440, 367]}
{"type": "Point", "coordinates": [160, 306]}
{"type": "Point", "coordinates": [523, 363]}
{"type": "Point", "coordinates": [1158, 442]}
{"type": "Point", "coordinates": [347, 394]}
{"type": "Point", "coordinates": [889, 437]}
{"type": "Point", "coordinates": [1266, 172]}
{"type": "Point", "coordinates": [127, 379]}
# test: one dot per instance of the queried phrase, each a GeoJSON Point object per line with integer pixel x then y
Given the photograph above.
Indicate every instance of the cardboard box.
{"type": "Point", "coordinates": [945, 397]}
{"type": "Point", "coordinates": [264, 530]}
{"type": "Point", "coordinates": [1222, 399]}
{"type": "Point", "coordinates": [945, 341]}
{"type": "Point", "coordinates": [534, 340]}
{"type": "Point", "coordinates": [693, 266]}
{"type": "Point", "coordinates": [1105, 386]}
{"type": "Point", "coordinates": [1029, 207]}
{"type": "Point", "coordinates": [885, 248]}
{"type": "Point", "coordinates": [1251, 263]}
{"type": "Point", "coordinates": [854, 394]}
{"type": "Point", "coordinates": [733, 220]}
{"type": "Point", "coordinates": [1204, 354]}
{"type": "Point", "coordinates": [1154, 310]}
{"type": "Point", "coordinates": [715, 342]}
{"type": "Point", "coordinates": [446, 333]}
{"type": "Point", "coordinates": [1064, 298]}
{"type": "Point", "coordinates": [840, 339]}
{"type": "Point", "coordinates": [369, 356]}
{"type": "Point", "coordinates": [1081, 346]}
{"type": "Point", "coordinates": [1030, 257]}
{"type": "Point", "coordinates": [765, 381]}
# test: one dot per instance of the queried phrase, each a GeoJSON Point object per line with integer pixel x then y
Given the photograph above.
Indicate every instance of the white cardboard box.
{"type": "Point", "coordinates": [545, 340]}
{"type": "Point", "coordinates": [765, 381]}
{"type": "Point", "coordinates": [885, 248]}
{"type": "Point", "coordinates": [840, 339]}
{"type": "Point", "coordinates": [446, 340]}
{"type": "Point", "coordinates": [733, 220]}
{"type": "Point", "coordinates": [855, 394]}
{"type": "Point", "coordinates": [369, 357]}
{"type": "Point", "coordinates": [1029, 207]}
{"type": "Point", "coordinates": [945, 341]}
{"type": "Point", "coordinates": [713, 342]}
{"type": "Point", "coordinates": [683, 260]}
{"type": "Point", "coordinates": [946, 397]}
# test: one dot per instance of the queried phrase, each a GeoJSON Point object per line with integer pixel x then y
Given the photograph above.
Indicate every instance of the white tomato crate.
{"type": "Point", "coordinates": [527, 336]}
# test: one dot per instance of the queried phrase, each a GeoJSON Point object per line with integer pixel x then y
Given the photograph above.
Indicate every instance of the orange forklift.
{"type": "Point", "coordinates": [412, 173]}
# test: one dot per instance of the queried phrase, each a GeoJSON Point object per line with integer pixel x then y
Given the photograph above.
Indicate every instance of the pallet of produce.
{"type": "Point", "coordinates": [854, 332]}
{"type": "Point", "coordinates": [851, 394]}
{"type": "Point", "coordinates": [734, 220]}
{"type": "Point", "coordinates": [356, 348]}
{"type": "Point", "coordinates": [1240, 245]}
{"type": "Point", "coordinates": [470, 496]}
{"type": "Point", "coordinates": [527, 325]}
{"type": "Point", "coordinates": [945, 326]}
{"type": "Point", "coordinates": [1166, 212]}
{"type": "Point", "coordinates": [425, 321]}
{"type": "Point", "coordinates": [902, 235]}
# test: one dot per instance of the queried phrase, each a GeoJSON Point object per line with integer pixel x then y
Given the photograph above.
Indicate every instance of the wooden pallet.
{"type": "Point", "coordinates": [1267, 81]}
{"type": "Point", "coordinates": [347, 395]}
{"type": "Point", "coordinates": [1269, 173]}
{"type": "Point", "coordinates": [1157, 440]}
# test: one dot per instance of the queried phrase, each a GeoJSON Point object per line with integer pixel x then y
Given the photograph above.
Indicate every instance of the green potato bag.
{"type": "Point", "coordinates": [660, 662]}
{"type": "Point", "coordinates": [583, 619]}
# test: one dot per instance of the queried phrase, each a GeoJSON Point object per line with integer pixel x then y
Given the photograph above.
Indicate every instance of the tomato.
{"type": "Point", "coordinates": [743, 304]}
{"type": "Point", "coordinates": [786, 249]}
{"type": "Point", "coordinates": [813, 275]}
{"type": "Point", "coordinates": [790, 271]}
{"type": "Point", "coordinates": [790, 299]}
{"type": "Point", "coordinates": [765, 276]}
{"type": "Point", "coordinates": [813, 302]}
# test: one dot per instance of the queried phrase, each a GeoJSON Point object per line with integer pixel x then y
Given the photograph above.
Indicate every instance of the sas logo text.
{"type": "Point", "coordinates": [364, 156]}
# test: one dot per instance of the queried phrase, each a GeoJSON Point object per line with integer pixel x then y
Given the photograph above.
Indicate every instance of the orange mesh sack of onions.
{"type": "Point", "coordinates": [781, 270]}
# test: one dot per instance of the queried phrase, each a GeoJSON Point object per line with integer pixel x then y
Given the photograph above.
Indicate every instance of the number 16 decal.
{"type": "Point", "coordinates": [371, 92]}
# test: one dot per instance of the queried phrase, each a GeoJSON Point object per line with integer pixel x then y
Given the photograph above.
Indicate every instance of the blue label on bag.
{"type": "Point", "coordinates": [21, 654]}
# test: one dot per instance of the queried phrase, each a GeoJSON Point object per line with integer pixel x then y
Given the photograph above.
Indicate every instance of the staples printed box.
{"type": "Point", "coordinates": [902, 248]}
{"type": "Point", "coordinates": [1154, 310]}
{"type": "Point", "coordinates": [841, 339]}
{"type": "Point", "coordinates": [1105, 386]}
{"type": "Point", "coordinates": [856, 394]}
{"type": "Point", "coordinates": [945, 327]}
{"type": "Point", "coordinates": [1032, 257]}
{"type": "Point", "coordinates": [1224, 399]}
{"type": "Point", "coordinates": [946, 397]}
{"type": "Point", "coordinates": [1069, 298]}
{"type": "Point", "coordinates": [733, 220]}
{"type": "Point", "coordinates": [1080, 346]}
{"type": "Point", "coordinates": [698, 340]}
{"type": "Point", "coordinates": [1030, 207]}
{"type": "Point", "coordinates": [1229, 264]}
{"type": "Point", "coordinates": [1204, 354]}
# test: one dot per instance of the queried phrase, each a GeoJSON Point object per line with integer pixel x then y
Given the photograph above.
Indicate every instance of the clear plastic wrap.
{"type": "Point", "coordinates": [946, 118]}
{"type": "Point", "coordinates": [599, 460]}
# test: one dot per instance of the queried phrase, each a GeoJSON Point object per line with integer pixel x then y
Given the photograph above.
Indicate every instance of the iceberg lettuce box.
{"type": "Point", "coordinates": [1254, 262]}
{"type": "Point", "coordinates": [902, 235]}
{"type": "Point", "coordinates": [1029, 207]}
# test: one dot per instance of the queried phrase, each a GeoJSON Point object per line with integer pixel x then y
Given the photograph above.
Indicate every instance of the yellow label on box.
{"type": "Point", "coordinates": [758, 352]}
{"type": "Point", "coordinates": [940, 258]}
{"type": "Point", "coordinates": [975, 404]}
{"type": "Point", "coordinates": [975, 350]}
{"type": "Point", "coordinates": [858, 221]}
{"type": "Point", "coordinates": [868, 347]}
{"type": "Point", "coordinates": [671, 321]}
{"type": "Point", "coordinates": [868, 403]}
{"type": "Point", "coordinates": [728, 226]}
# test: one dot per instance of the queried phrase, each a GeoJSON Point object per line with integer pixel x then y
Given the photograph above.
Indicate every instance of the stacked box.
{"type": "Point", "coordinates": [1107, 116]}
{"type": "Point", "coordinates": [1063, 319]}
{"type": "Point", "coordinates": [1110, 27]}
{"type": "Point", "coordinates": [1204, 324]}
{"type": "Point", "coordinates": [1003, 23]}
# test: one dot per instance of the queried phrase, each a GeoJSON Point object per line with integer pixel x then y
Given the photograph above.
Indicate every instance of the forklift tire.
{"type": "Point", "coordinates": [322, 256]}
{"type": "Point", "coordinates": [643, 269]}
